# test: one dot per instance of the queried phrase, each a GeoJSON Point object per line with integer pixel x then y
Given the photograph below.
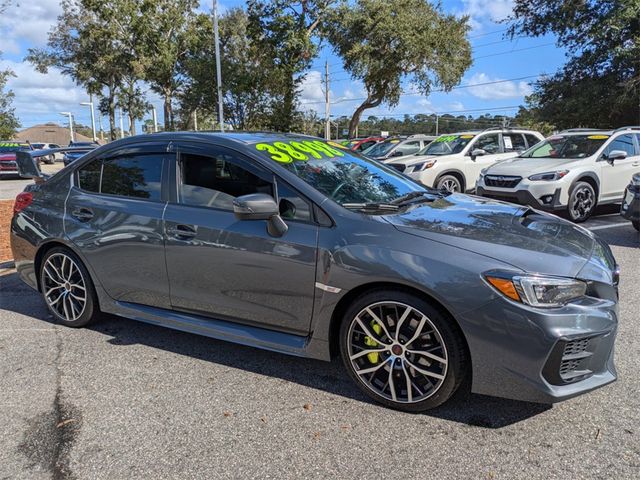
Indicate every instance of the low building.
{"type": "Point", "coordinates": [49, 133]}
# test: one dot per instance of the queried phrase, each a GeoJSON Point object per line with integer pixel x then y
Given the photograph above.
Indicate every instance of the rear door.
{"type": "Point", "coordinates": [114, 216]}
{"type": "Point", "coordinates": [616, 175]}
{"type": "Point", "coordinates": [230, 269]}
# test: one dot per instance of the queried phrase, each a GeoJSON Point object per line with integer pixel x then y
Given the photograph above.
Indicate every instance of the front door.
{"type": "Point", "coordinates": [114, 216]}
{"type": "Point", "coordinates": [231, 269]}
{"type": "Point", "coordinates": [490, 143]}
{"type": "Point", "coordinates": [615, 176]}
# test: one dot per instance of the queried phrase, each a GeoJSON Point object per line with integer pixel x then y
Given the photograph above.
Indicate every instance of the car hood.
{"type": "Point", "coordinates": [529, 240]}
{"type": "Point", "coordinates": [528, 166]}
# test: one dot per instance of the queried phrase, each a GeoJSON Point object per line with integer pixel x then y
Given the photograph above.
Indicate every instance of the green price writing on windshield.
{"type": "Point", "coordinates": [446, 138]}
{"type": "Point", "coordinates": [287, 152]}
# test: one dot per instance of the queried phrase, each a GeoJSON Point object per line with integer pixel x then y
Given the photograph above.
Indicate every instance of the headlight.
{"type": "Point", "coordinates": [549, 176]}
{"type": "Point", "coordinates": [421, 166]}
{"type": "Point", "coordinates": [537, 291]}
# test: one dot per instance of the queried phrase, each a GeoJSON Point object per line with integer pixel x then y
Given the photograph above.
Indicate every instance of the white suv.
{"type": "Point", "coordinates": [453, 161]}
{"type": "Point", "coordinates": [572, 171]}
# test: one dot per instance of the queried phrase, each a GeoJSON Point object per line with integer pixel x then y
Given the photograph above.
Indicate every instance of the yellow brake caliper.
{"type": "Point", "coordinates": [374, 357]}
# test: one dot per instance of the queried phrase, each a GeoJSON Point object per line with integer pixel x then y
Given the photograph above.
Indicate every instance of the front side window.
{"type": "Point", "coordinates": [135, 176]}
{"type": "Point", "coordinates": [624, 143]}
{"type": "Point", "coordinates": [382, 148]}
{"type": "Point", "coordinates": [567, 146]}
{"type": "Point", "coordinates": [490, 143]}
{"type": "Point", "coordinates": [214, 181]}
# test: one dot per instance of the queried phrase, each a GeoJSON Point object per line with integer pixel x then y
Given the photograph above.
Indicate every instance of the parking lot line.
{"type": "Point", "coordinates": [613, 225]}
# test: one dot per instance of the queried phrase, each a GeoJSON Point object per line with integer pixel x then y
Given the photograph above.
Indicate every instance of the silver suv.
{"type": "Point", "coordinates": [573, 171]}
{"type": "Point", "coordinates": [398, 147]}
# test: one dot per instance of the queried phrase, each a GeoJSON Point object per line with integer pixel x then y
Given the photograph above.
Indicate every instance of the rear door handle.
{"type": "Point", "coordinates": [183, 231]}
{"type": "Point", "coordinates": [82, 214]}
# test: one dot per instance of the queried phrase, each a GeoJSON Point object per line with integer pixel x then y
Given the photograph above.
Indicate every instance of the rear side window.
{"type": "Point", "coordinates": [89, 176]}
{"type": "Point", "coordinates": [513, 142]}
{"type": "Point", "coordinates": [135, 176]}
{"type": "Point", "coordinates": [624, 143]}
{"type": "Point", "coordinates": [531, 139]}
{"type": "Point", "coordinates": [408, 148]}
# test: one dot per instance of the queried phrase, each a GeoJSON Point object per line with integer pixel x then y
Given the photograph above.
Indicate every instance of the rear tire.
{"type": "Point", "coordinates": [582, 202]}
{"type": "Point", "coordinates": [67, 288]}
{"type": "Point", "coordinates": [450, 183]}
{"type": "Point", "coordinates": [414, 361]}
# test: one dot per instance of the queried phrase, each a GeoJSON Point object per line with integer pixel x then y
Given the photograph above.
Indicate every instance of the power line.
{"type": "Point", "coordinates": [404, 94]}
{"type": "Point", "coordinates": [488, 33]}
{"type": "Point", "coordinates": [512, 107]}
{"type": "Point", "coordinates": [514, 51]}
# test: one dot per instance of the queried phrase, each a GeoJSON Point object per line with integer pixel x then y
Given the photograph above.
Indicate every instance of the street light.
{"type": "Point", "coordinates": [70, 116]}
{"type": "Point", "coordinates": [218, 73]}
{"type": "Point", "coordinates": [93, 118]}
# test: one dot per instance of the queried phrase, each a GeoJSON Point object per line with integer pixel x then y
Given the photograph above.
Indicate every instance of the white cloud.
{"type": "Point", "coordinates": [312, 92]}
{"type": "Point", "coordinates": [455, 106]}
{"type": "Point", "coordinates": [29, 21]}
{"type": "Point", "coordinates": [497, 91]}
{"type": "Point", "coordinates": [484, 11]}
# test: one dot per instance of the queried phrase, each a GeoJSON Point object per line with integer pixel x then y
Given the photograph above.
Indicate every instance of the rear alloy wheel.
{"type": "Point", "coordinates": [582, 202]}
{"type": "Point", "coordinates": [67, 288]}
{"type": "Point", "coordinates": [401, 351]}
{"type": "Point", "coordinates": [449, 183]}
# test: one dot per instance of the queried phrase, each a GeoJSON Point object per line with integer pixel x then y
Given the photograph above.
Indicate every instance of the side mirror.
{"type": "Point", "coordinates": [397, 153]}
{"type": "Point", "coordinates": [616, 155]}
{"type": "Point", "coordinates": [477, 152]}
{"type": "Point", "coordinates": [260, 206]}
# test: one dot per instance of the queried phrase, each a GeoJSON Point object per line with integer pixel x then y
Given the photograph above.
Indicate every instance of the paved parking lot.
{"type": "Point", "coordinates": [123, 399]}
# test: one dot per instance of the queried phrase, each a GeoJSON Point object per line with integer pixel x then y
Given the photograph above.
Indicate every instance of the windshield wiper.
{"type": "Point", "coordinates": [371, 206]}
{"type": "Point", "coordinates": [406, 198]}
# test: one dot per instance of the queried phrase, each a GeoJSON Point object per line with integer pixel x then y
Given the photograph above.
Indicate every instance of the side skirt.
{"type": "Point", "coordinates": [218, 329]}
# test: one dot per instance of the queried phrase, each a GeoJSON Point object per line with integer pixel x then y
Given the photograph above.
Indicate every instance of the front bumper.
{"type": "Point", "coordinates": [549, 201]}
{"type": "Point", "coordinates": [630, 208]}
{"type": "Point", "coordinates": [539, 355]}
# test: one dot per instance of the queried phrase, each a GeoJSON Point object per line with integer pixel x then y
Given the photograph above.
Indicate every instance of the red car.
{"type": "Point", "coordinates": [8, 151]}
{"type": "Point", "coordinates": [361, 144]}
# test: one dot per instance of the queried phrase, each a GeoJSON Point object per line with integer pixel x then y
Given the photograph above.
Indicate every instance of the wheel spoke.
{"type": "Point", "coordinates": [364, 371]}
{"type": "Point", "coordinates": [425, 372]}
{"type": "Point", "coordinates": [379, 321]}
{"type": "Point", "coordinates": [409, 383]}
{"type": "Point", "coordinates": [66, 310]}
{"type": "Point", "coordinates": [392, 386]}
{"type": "Point", "coordinates": [77, 285]}
{"type": "Point", "coordinates": [48, 292]}
{"type": "Point", "coordinates": [57, 299]}
{"type": "Point", "coordinates": [428, 355]}
{"type": "Point", "coordinates": [368, 332]}
{"type": "Point", "coordinates": [55, 276]}
{"type": "Point", "coordinates": [366, 352]}
{"type": "Point", "coordinates": [404, 316]}
{"type": "Point", "coordinates": [418, 330]}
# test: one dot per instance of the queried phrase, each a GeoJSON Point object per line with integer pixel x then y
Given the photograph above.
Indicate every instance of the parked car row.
{"type": "Point", "coordinates": [571, 172]}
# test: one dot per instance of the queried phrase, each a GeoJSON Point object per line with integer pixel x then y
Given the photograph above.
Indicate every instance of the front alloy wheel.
{"type": "Point", "coordinates": [582, 202]}
{"type": "Point", "coordinates": [403, 353]}
{"type": "Point", "coordinates": [449, 183]}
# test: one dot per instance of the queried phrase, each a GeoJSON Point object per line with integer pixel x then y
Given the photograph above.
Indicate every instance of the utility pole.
{"type": "Point", "coordinates": [436, 124]}
{"type": "Point", "coordinates": [121, 124]}
{"type": "Point", "coordinates": [218, 70]}
{"type": "Point", "coordinates": [155, 119]}
{"type": "Point", "coordinates": [327, 103]}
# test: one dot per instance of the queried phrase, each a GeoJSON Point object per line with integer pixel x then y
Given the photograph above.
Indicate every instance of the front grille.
{"type": "Point", "coordinates": [399, 166]}
{"type": "Point", "coordinates": [501, 181]}
{"type": "Point", "coordinates": [569, 361]}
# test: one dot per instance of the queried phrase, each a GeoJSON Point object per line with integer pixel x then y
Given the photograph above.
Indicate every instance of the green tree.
{"type": "Point", "coordinates": [600, 84]}
{"type": "Point", "coordinates": [384, 42]}
{"type": "Point", "coordinates": [288, 32]}
{"type": "Point", "coordinates": [8, 121]}
{"type": "Point", "coordinates": [165, 31]}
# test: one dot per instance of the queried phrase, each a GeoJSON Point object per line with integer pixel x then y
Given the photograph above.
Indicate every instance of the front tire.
{"type": "Point", "coordinates": [582, 202]}
{"type": "Point", "coordinates": [450, 183]}
{"type": "Point", "coordinates": [402, 351]}
{"type": "Point", "coordinates": [67, 288]}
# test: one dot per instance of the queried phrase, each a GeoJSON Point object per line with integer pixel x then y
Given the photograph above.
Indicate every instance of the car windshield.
{"type": "Point", "coordinates": [6, 147]}
{"type": "Point", "coordinates": [342, 175]}
{"type": "Point", "coordinates": [566, 146]}
{"type": "Point", "coordinates": [38, 146]}
{"type": "Point", "coordinates": [446, 145]}
{"type": "Point", "coordinates": [382, 148]}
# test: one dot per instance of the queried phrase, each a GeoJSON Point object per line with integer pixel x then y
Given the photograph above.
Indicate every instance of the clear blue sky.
{"type": "Point", "coordinates": [39, 98]}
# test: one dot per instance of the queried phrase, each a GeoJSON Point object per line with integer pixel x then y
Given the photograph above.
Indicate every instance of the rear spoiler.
{"type": "Point", "coordinates": [26, 161]}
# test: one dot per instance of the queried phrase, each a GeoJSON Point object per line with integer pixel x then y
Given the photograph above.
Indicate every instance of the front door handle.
{"type": "Point", "coordinates": [183, 231]}
{"type": "Point", "coordinates": [82, 214]}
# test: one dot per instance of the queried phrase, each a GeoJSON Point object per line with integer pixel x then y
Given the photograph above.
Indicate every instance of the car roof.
{"type": "Point", "coordinates": [246, 138]}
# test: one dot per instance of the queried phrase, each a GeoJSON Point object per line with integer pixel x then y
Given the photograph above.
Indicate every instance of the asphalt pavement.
{"type": "Point", "coordinates": [123, 399]}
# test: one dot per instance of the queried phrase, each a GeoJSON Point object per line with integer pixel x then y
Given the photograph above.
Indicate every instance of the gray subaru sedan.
{"type": "Point", "coordinates": [294, 244]}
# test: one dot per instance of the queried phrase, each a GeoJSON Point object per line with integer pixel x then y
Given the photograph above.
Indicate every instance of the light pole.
{"type": "Point", "coordinates": [70, 116]}
{"type": "Point", "coordinates": [155, 119]}
{"type": "Point", "coordinates": [218, 71]}
{"type": "Point", "coordinates": [93, 117]}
